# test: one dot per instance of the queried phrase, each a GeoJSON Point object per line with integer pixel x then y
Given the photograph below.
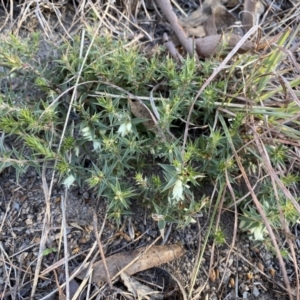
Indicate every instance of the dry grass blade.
{"type": "Point", "coordinates": [101, 252]}
{"type": "Point", "coordinates": [257, 203]}
{"type": "Point", "coordinates": [8, 270]}
{"type": "Point", "coordinates": [9, 15]}
{"type": "Point", "coordinates": [221, 193]}
{"type": "Point", "coordinates": [45, 232]}
{"type": "Point", "coordinates": [167, 10]}
{"type": "Point", "coordinates": [74, 274]}
{"type": "Point", "coordinates": [64, 232]}
{"type": "Point", "coordinates": [171, 48]}
{"type": "Point", "coordinates": [211, 77]}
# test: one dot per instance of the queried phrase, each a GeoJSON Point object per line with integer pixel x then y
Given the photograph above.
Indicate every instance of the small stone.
{"type": "Point", "coordinates": [214, 297]}
{"type": "Point", "coordinates": [267, 256]}
{"type": "Point", "coordinates": [28, 222]}
{"type": "Point", "coordinates": [37, 240]}
{"type": "Point", "coordinates": [227, 275]}
{"type": "Point", "coordinates": [246, 268]}
{"type": "Point", "coordinates": [246, 295]}
{"type": "Point", "coordinates": [255, 291]}
{"type": "Point", "coordinates": [86, 195]}
{"type": "Point", "coordinates": [244, 287]}
{"type": "Point", "coordinates": [90, 227]}
{"type": "Point", "coordinates": [289, 271]}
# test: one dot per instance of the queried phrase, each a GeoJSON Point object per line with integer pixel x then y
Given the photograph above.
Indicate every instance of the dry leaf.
{"type": "Point", "coordinates": [125, 236]}
{"type": "Point", "coordinates": [252, 12]}
{"type": "Point", "coordinates": [217, 273]}
{"type": "Point", "coordinates": [232, 3]}
{"type": "Point", "coordinates": [249, 275]}
{"type": "Point", "coordinates": [210, 27]}
{"type": "Point", "coordinates": [223, 18]}
{"type": "Point", "coordinates": [75, 225]}
{"type": "Point", "coordinates": [272, 272]}
{"type": "Point", "coordinates": [196, 18]}
{"type": "Point", "coordinates": [255, 249]}
{"type": "Point", "coordinates": [212, 275]}
{"type": "Point", "coordinates": [219, 21]}
{"type": "Point", "coordinates": [209, 45]}
{"type": "Point", "coordinates": [22, 199]}
{"type": "Point", "coordinates": [197, 31]}
{"type": "Point", "coordinates": [260, 266]}
{"type": "Point", "coordinates": [200, 15]}
{"type": "Point", "coordinates": [57, 199]}
{"type": "Point", "coordinates": [140, 110]}
{"type": "Point", "coordinates": [153, 257]}
{"type": "Point", "coordinates": [231, 282]}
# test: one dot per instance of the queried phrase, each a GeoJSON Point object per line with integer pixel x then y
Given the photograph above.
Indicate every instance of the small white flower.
{"type": "Point", "coordinates": [96, 145]}
{"type": "Point", "coordinates": [69, 181]}
{"type": "Point", "coordinates": [125, 128]}
{"type": "Point", "coordinates": [178, 190]}
{"type": "Point", "coordinates": [87, 133]}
